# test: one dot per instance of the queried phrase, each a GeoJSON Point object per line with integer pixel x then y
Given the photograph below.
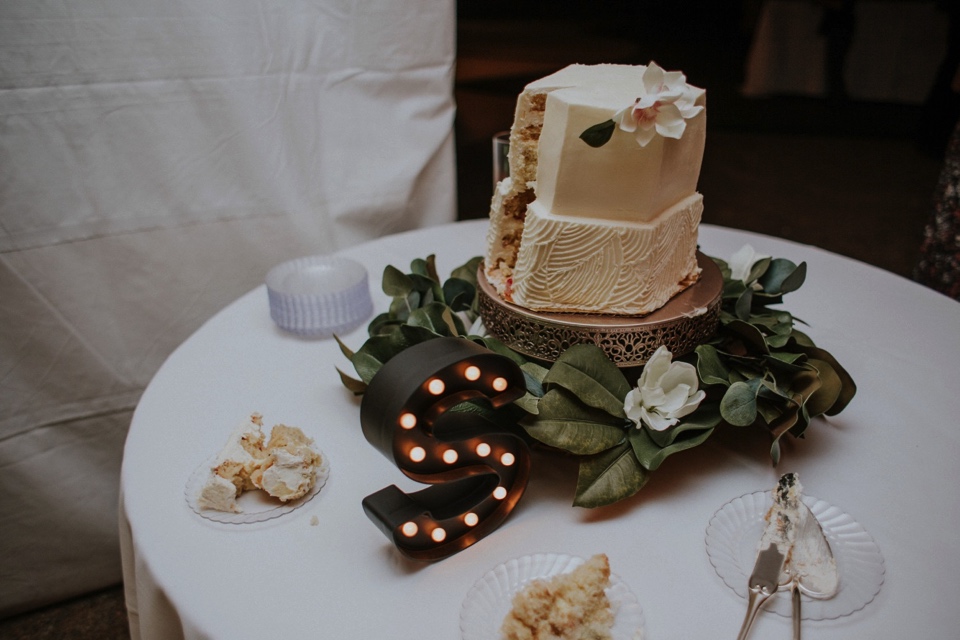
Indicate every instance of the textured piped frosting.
{"type": "Point", "coordinates": [596, 230]}
{"type": "Point", "coordinates": [595, 267]}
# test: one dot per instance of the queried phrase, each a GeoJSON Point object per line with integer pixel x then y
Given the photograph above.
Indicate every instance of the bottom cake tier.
{"type": "Point", "coordinates": [690, 318]}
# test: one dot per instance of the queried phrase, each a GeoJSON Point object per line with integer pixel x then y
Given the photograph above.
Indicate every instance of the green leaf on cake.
{"type": "Point", "coordinates": [599, 134]}
{"type": "Point", "coordinates": [609, 477]}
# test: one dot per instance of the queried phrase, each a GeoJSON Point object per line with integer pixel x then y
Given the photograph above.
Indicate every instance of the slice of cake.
{"type": "Point", "coordinates": [600, 228]}
{"type": "Point", "coordinates": [289, 470]}
{"type": "Point", "coordinates": [231, 471]}
{"type": "Point", "coordinates": [570, 606]}
{"type": "Point", "coordinates": [285, 467]}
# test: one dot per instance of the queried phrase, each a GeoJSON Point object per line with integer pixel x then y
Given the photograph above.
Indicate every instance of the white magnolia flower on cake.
{"type": "Point", "coordinates": [741, 263]}
{"type": "Point", "coordinates": [666, 392]}
{"type": "Point", "coordinates": [665, 102]}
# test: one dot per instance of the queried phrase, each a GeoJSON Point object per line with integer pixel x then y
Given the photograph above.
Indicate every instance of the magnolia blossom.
{"type": "Point", "coordinates": [666, 392]}
{"type": "Point", "coordinates": [665, 101]}
{"type": "Point", "coordinates": [741, 263]}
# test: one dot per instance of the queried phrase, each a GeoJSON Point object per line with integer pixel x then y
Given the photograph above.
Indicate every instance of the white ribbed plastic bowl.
{"type": "Point", "coordinates": [319, 296]}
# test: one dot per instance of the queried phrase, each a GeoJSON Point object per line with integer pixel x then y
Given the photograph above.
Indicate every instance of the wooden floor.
{"type": "Point", "coordinates": [845, 177]}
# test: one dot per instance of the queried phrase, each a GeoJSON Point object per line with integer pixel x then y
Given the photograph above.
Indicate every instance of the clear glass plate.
{"type": "Point", "coordinates": [256, 506]}
{"type": "Point", "coordinates": [490, 599]}
{"type": "Point", "coordinates": [736, 528]}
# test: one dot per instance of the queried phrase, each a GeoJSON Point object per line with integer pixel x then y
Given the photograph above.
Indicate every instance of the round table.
{"type": "Point", "coordinates": [890, 460]}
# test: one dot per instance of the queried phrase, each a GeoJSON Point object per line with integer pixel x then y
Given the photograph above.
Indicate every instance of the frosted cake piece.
{"type": "Point", "coordinates": [285, 467]}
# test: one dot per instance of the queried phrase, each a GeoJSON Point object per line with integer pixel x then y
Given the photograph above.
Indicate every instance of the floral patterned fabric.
{"type": "Point", "coordinates": [939, 265]}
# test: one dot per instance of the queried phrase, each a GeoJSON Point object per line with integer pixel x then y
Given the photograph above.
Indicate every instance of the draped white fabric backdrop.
{"type": "Point", "coordinates": [157, 157]}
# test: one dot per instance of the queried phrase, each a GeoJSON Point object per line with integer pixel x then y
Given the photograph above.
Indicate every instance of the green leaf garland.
{"type": "Point", "coordinates": [758, 371]}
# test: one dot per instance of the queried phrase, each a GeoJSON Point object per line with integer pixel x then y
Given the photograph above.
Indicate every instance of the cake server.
{"type": "Point", "coordinates": [811, 568]}
{"type": "Point", "coordinates": [763, 583]}
{"type": "Point", "coordinates": [775, 546]}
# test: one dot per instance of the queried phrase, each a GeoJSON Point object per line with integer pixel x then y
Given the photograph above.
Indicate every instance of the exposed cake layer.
{"type": "Point", "coordinates": [600, 267]}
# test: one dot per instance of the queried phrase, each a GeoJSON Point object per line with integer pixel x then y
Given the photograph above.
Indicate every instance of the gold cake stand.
{"type": "Point", "coordinates": [690, 318]}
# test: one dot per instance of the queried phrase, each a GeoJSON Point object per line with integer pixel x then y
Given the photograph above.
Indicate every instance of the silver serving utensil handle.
{"type": "Point", "coordinates": [795, 592]}
{"type": "Point", "coordinates": [764, 582]}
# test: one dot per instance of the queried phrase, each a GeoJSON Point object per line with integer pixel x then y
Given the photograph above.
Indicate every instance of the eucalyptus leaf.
{"type": "Point", "coordinates": [599, 134]}
{"type": "Point", "coordinates": [849, 388]}
{"type": "Point", "coordinates": [777, 341]}
{"type": "Point", "coordinates": [759, 268]}
{"type": "Point", "coordinates": [453, 322]}
{"type": "Point", "coordinates": [829, 390]}
{"type": "Point", "coordinates": [739, 404]}
{"type": "Point", "coordinates": [420, 267]}
{"type": "Point", "coordinates": [752, 337]}
{"type": "Point", "coordinates": [435, 317]}
{"type": "Point", "coordinates": [468, 271]}
{"type": "Point", "coordinates": [459, 294]}
{"type": "Point", "coordinates": [395, 282]}
{"type": "Point", "coordinates": [344, 349]}
{"type": "Point", "coordinates": [609, 477]}
{"type": "Point", "coordinates": [402, 306]}
{"type": "Point", "coordinates": [710, 367]}
{"type": "Point", "coordinates": [377, 350]}
{"type": "Point", "coordinates": [780, 272]}
{"type": "Point", "coordinates": [356, 387]}
{"type": "Point", "coordinates": [565, 423]}
{"type": "Point", "coordinates": [744, 303]}
{"type": "Point", "coordinates": [795, 280]}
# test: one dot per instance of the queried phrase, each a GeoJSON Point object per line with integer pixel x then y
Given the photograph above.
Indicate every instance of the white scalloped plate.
{"type": "Point", "coordinates": [256, 506]}
{"type": "Point", "coordinates": [737, 526]}
{"type": "Point", "coordinates": [489, 600]}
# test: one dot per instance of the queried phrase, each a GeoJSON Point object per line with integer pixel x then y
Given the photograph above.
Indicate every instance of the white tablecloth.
{"type": "Point", "coordinates": [891, 461]}
{"type": "Point", "coordinates": [156, 159]}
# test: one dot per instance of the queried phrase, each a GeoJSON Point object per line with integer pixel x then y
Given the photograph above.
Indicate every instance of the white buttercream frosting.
{"type": "Point", "coordinates": [603, 267]}
{"type": "Point", "coordinates": [288, 476]}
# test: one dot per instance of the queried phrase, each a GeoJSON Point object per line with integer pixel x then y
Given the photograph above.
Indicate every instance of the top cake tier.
{"type": "Point", "coordinates": [621, 181]}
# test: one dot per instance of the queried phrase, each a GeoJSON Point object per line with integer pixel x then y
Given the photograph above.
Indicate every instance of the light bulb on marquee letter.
{"type": "Point", "coordinates": [477, 470]}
